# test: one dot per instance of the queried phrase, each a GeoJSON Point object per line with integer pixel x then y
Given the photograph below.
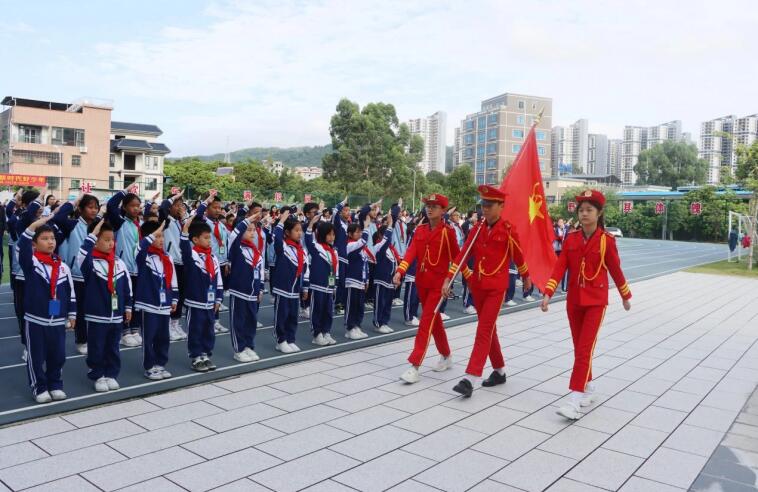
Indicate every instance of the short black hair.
{"type": "Point", "coordinates": [255, 205]}
{"type": "Point", "coordinates": [310, 206]}
{"type": "Point", "coordinates": [41, 230]}
{"type": "Point", "coordinates": [105, 227]}
{"type": "Point", "coordinates": [197, 228]}
{"type": "Point", "coordinates": [149, 227]}
{"type": "Point", "coordinates": [354, 226]}
{"type": "Point", "coordinates": [86, 200]}
{"type": "Point", "coordinates": [290, 223]}
{"type": "Point", "coordinates": [322, 230]}
{"type": "Point", "coordinates": [29, 196]}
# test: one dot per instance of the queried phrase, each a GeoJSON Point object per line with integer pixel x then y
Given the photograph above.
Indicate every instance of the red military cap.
{"type": "Point", "coordinates": [593, 196]}
{"type": "Point", "coordinates": [436, 199]}
{"type": "Point", "coordinates": [491, 194]}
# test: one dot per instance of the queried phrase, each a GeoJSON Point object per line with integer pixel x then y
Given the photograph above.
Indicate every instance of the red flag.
{"type": "Point", "coordinates": [526, 210]}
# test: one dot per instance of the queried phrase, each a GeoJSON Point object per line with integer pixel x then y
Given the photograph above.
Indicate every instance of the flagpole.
{"type": "Point", "coordinates": [463, 261]}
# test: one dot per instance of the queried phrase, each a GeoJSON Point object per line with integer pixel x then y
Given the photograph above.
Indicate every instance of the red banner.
{"type": "Point", "coordinates": [307, 198]}
{"type": "Point", "coordinates": [572, 207]}
{"type": "Point", "coordinates": [627, 207]}
{"type": "Point", "coordinates": [247, 195]}
{"type": "Point", "coordinates": [660, 207]}
{"type": "Point", "coordinates": [696, 208]}
{"type": "Point", "coordinates": [278, 196]}
{"type": "Point", "coordinates": [22, 180]}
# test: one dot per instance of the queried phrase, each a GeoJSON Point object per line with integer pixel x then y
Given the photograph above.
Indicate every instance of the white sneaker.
{"type": "Point", "coordinates": [101, 385]}
{"type": "Point", "coordinates": [163, 372]}
{"type": "Point", "coordinates": [384, 329]}
{"type": "Point", "coordinates": [413, 322]}
{"type": "Point", "coordinates": [137, 338]}
{"type": "Point", "coordinates": [175, 333]}
{"type": "Point", "coordinates": [58, 395]}
{"type": "Point", "coordinates": [329, 339]}
{"type": "Point", "coordinates": [129, 341]}
{"type": "Point", "coordinates": [220, 328]}
{"type": "Point", "coordinates": [153, 374]}
{"type": "Point", "coordinates": [529, 299]}
{"type": "Point", "coordinates": [251, 353]}
{"type": "Point", "coordinates": [112, 384]}
{"type": "Point", "coordinates": [24, 355]}
{"type": "Point", "coordinates": [588, 398]}
{"type": "Point", "coordinates": [320, 340]}
{"type": "Point", "coordinates": [511, 303]}
{"type": "Point", "coordinates": [444, 363]}
{"type": "Point", "coordinates": [304, 313]}
{"type": "Point", "coordinates": [260, 325]}
{"type": "Point", "coordinates": [470, 310]}
{"type": "Point", "coordinates": [397, 302]}
{"type": "Point", "coordinates": [411, 375]}
{"type": "Point", "coordinates": [353, 334]}
{"type": "Point", "coordinates": [294, 347]}
{"type": "Point", "coordinates": [284, 348]}
{"type": "Point", "coordinates": [43, 397]}
{"type": "Point", "coordinates": [570, 412]}
{"type": "Point", "coordinates": [81, 348]}
{"type": "Point", "coordinates": [242, 357]}
{"type": "Point", "coordinates": [444, 317]}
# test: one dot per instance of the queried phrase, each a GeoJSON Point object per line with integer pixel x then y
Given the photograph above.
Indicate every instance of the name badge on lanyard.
{"type": "Point", "coordinates": [54, 305]}
{"type": "Point", "coordinates": [114, 302]}
{"type": "Point", "coordinates": [221, 250]}
{"type": "Point", "coordinates": [162, 296]}
{"type": "Point", "coordinates": [211, 294]}
{"type": "Point", "coordinates": [331, 280]}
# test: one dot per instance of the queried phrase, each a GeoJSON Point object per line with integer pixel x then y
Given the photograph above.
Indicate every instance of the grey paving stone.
{"type": "Point", "coordinates": [707, 482]}
{"type": "Point", "coordinates": [305, 399]}
{"type": "Point", "coordinates": [430, 420]}
{"type": "Point", "coordinates": [629, 401]}
{"type": "Point", "coordinates": [651, 385]}
{"type": "Point", "coordinates": [557, 386]}
{"type": "Point", "coordinates": [58, 466]}
{"type": "Point", "coordinates": [492, 419]}
{"type": "Point", "coordinates": [187, 395]}
{"type": "Point", "coordinates": [291, 371]}
{"type": "Point", "coordinates": [33, 430]}
{"type": "Point", "coordinates": [223, 470]}
{"type": "Point", "coordinates": [295, 421]}
{"type": "Point", "coordinates": [375, 443]}
{"type": "Point", "coordinates": [493, 486]}
{"type": "Point", "coordinates": [419, 401]}
{"type": "Point", "coordinates": [22, 452]}
{"type": "Point", "coordinates": [545, 420]}
{"type": "Point", "coordinates": [328, 486]}
{"type": "Point", "coordinates": [741, 442]}
{"type": "Point", "coordinates": [354, 370]}
{"type": "Point", "coordinates": [350, 358]}
{"type": "Point", "coordinates": [574, 442]}
{"type": "Point", "coordinates": [529, 401]}
{"type": "Point", "coordinates": [568, 485]}
{"type": "Point", "coordinates": [605, 419]}
{"type": "Point", "coordinates": [242, 485]}
{"type": "Point", "coordinates": [606, 469]}
{"type": "Point", "coordinates": [637, 484]}
{"type": "Point", "coordinates": [662, 419]}
{"type": "Point", "coordinates": [511, 443]}
{"type": "Point", "coordinates": [88, 436]}
{"type": "Point", "coordinates": [357, 385]}
{"type": "Point", "coordinates": [239, 417]}
{"type": "Point", "coordinates": [175, 415]}
{"type": "Point", "coordinates": [658, 467]}
{"type": "Point", "coordinates": [384, 472]}
{"type": "Point", "coordinates": [142, 468]}
{"type": "Point", "coordinates": [108, 413]}
{"type": "Point", "coordinates": [231, 441]}
{"type": "Point", "coordinates": [462, 471]}
{"type": "Point", "coordinates": [363, 400]}
{"type": "Point", "coordinates": [157, 484]}
{"type": "Point", "coordinates": [366, 420]}
{"type": "Point", "coordinates": [305, 383]}
{"type": "Point", "coordinates": [307, 470]}
{"type": "Point", "coordinates": [246, 397]}
{"type": "Point", "coordinates": [444, 443]}
{"type": "Point", "coordinates": [304, 442]}
{"type": "Point", "coordinates": [534, 471]}
{"type": "Point", "coordinates": [73, 483]}
{"type": "Point", "coordinates": [248, 381]}
{"type": "Point", "coordinates": [678, 400]}
{"type": "Point", "coordinates": [695, 440]}
{"type": "Point", "coordinates": [711, 418]}
{"type": "Point", "coordinates": [637, 441]}
{"type": "Point", "coordinates": [401, 388]}
{"type": "Point", "coordinates": [412, 486]}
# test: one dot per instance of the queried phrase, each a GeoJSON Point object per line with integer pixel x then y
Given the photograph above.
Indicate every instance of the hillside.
{"type": "Point", "coordinates": [290, 156]}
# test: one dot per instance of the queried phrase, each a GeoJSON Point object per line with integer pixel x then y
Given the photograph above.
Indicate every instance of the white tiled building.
{"type": "Point", "coordinates": [136, 157]}
{"type": "Point", "coordinates": [433, 130]}
{"type": "Point", "coordinates": [720, 137]}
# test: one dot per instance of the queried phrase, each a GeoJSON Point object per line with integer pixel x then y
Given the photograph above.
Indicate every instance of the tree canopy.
{"type": "Point", "coordinates": [671, 164]}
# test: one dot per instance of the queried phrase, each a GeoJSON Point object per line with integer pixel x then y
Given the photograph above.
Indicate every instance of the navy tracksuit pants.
{"type": "Point", "coordinates": [341, 289]}
{"type": "Point", "coordinates": [468, 299]}
{"type": "Point", "coordinates": [356, 299]}
{"type": "Point", "coordinates": [382, 305]}
{"type": "Point", "coordinates": [410, 300]}
{"type": "Point", "coordinates": [322, 312]}
{"type": "Point", "coordinates": [134, 325]}
{"type": "Point", "coordinates": [200, 335]}
{"type": "Point", "coordinates": [103, 358]}
{"type": "Point", "coordinates": [46, 354]}
{"type": "Point", "coordinates": [285, 318]}
{"type": "Point", "coordinates": [155, 339]}
{"type": "Point", "coordinates": [244, 323]}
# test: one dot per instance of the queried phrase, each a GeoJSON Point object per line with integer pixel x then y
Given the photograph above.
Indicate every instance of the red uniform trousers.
{"type": "Point", "coordinates": [488, 304]}
{"type": "Point", "coordinates": [585, 324]}
{"type": "Point", "coordinates": [430, 325]}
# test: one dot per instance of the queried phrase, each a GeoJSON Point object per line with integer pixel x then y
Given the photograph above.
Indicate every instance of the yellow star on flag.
{"type": "Point", "coordinates": [535, 204]}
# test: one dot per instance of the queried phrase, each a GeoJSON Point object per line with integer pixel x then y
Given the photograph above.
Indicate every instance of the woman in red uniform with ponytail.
{"type": "Point", "coordinates": [590, 254]}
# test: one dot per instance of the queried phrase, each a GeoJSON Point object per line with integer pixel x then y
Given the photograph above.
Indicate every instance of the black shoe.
{"type": "Point", "coordinates": [464, 387]}
{"type": "Point", "coordinates": [494, 379]}
{"type": "Point", "coordinates": [209, 365]}
{"type": "Point", "coordinates": [198, 365]}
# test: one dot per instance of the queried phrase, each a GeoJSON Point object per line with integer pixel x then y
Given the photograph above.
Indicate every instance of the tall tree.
{"type": "Point", "coordinates": [461, 188]}
{"type": "Point", "coordinates": [747, 173]}
{"type": "Point", "coordinates": [671, 164]}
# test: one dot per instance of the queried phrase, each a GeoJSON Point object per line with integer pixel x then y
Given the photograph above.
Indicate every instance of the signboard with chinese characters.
{"type": "Point", "coordinates": [22, 180]}
{"type": "Point", "coordinates": [572, 207]}
{"type": "Point", "coordinates": [278, 196]}
{"type": "Point", "coordinates": [627, 206]}
{"type": "Point", "coordinates": [696, 208]}
{"type": "Point", "coordinates": [660, 207]}
{"type": "Point", "coordinates": [247, 195]}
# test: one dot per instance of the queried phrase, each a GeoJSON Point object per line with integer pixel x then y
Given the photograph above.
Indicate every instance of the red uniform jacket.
{"type": "Point", "coordinates": [589, 263]}
{"type": "Point", "coordinates": [433, 251]}
{"type": "Point", "coordinates": [493, 251]}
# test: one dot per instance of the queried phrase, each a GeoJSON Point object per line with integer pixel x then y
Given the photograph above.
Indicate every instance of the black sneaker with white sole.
{"type": "Point", "coordinates": [198, 365]}
{"type": "Point", "coordinates": [495, 379]}
{"type": "Point", "coordinates": [464, 387]}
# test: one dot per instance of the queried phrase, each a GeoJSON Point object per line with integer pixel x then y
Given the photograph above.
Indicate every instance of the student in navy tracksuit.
{"type": "Point", "coordinates": [323, 279]}
{"type": "Point", "coordinates": [213, 214]}
{"type": "Point", "coordinates": [49, 299]}
{"type": "Point", "coordinates": [358, 254]}
{"type": "Point", "coordinates": [108, 294]}
{"type": "Point", "coordinates": [310, 210]}
{"type": "Point", "coordinates": [341, 219]}
{"type": "Point", "coordinates": [205, 292]}
{"type": "Point", "coordinates": [172, 210]}
{"type": "Point", "coordinates": [156, 297]}
{"type": "Point", "coordinates": [245, 286]}
{"type": "Point", "coordinates": [387, 260]}
{"type": "Point", "coordinates": [289, 276]}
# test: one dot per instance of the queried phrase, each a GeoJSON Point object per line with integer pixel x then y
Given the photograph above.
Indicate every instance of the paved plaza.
{"type": "Point", "coordinates": [673, 375]}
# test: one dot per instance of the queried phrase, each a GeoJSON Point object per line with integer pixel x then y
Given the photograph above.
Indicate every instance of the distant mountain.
{"type": "Point", "coordinates": [290, 156]}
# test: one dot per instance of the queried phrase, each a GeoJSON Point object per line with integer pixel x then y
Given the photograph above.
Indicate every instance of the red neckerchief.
{"type": "Point", "coordinates": [136, 224]}
{"type": "Point", "coordinates": [111, 259]}
{"type": "Point", "coordinates": [209, 266]}
{"type": "Point", "coordinates": [333, 254]}
{"type": "Point", "coordinates": [217, 233]}
{"type": "Point", "coordinates": [230, 227]}
{"type": "Point", "coordinates": [395, 252]}
{"type": "Point", "coordinates": [54, 262]}
{"type": "Point", "coordinates": [256, 252]}
{"type": "Point", "coordinates": [366, 250]}
{"type": "Point", "coordinates": [300, 255]}
{"type": "Point", "coordinates": [168, 270]}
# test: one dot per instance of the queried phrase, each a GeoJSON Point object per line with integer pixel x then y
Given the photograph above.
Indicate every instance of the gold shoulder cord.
{"type": "Point", "coordinates": [497, 268]}
{"type": "Point", "coordinates": [599, 268]}
{"type": "Point", "coordinates": [439, 253]}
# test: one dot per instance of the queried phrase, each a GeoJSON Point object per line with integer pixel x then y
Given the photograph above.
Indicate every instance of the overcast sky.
{"type": "Point", "coordinates": [269, 73]}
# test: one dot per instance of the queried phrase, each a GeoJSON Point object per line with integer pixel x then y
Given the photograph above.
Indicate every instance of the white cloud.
{"type": "Point", "coordinates": [270, 73]}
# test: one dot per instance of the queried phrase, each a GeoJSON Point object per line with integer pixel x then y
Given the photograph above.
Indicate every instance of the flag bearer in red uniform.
{"type": "Point", "coordinates": [496, 244]}
{"type": "Point", "coordinates": [433, 247]}
{"type": "Point", "coordinates": [590, 254]}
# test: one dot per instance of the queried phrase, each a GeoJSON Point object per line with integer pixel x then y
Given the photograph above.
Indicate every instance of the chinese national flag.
{"type": "Point", "coordinates": [526, 210]}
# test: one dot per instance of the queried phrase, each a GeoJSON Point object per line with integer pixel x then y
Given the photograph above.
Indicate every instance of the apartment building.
{"type": "Point", "coordinates": [639, 138]}
{"type": "Point", "coordinates": [719, 139]}
{"type": "Point", "coordinates": [308, 173]}
{"type": "Point", "coordinates": [136, 157]}
{"type": "Point", "coordinates": [433, 129]}
{"type": "Point", "coordinates": [597, 154]}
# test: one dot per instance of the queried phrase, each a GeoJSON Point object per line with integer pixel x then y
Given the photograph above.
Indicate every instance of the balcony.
{"type": "Point", "coordinates": [36, 157]}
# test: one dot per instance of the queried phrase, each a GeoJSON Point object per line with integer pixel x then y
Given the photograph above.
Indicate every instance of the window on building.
{"type": "Point", "coordinates": [53, 182]}
{"type": "Point", "coordinates": [480, 179]}
{"type": "Point", "coordinates": [491, 178]}
{"type": "Point", "coordinates": [29, 134]}
{"type": "Point", "coordinates": [469, 152]}
{"type": "Point", "coordinates": [480, 165]}
{"type": "Point", "coordinates": [516, 148]}
{"type": "Point", "coordinates": [76, 184]}
{"type": "Point", "coordinates": [151, 184]}
{"type": "Point", "coordinates": [482, 122]}
{"type": "Point", "coordinates": [520, 119]}
{"type": "Point", "coordinates": [469, 124]}
{"type": "Point", "coordinates": [521, 104]}
{"type": "Point", "coordinates": [468, 139]}
{"type": "Point", "coordinates": [481, 136]}
{"type": "Point", "coordinates": [112, 160]}
{"type": "Point", "coordinates": [111, 182]}
{"type": "Point", "coordinates": [517, 133]}
{"type": "Point", "coordinates": [151, 162]}
{"type": "Point", "coordinates": [76, 160]}
{"type": "Point", "coordinates": [480, 150]}
{"type": "Point", "coordinates": [491, 163]}
{"type": "Point", "coordinates": [540, 135]}
{"type": "Point", "coordinates": [492, 119]}
{"type": "Point", "coordinates": [68, 136]}
{"type": "Point", "coordinates": [37, 157]}
{"type": "Point", "coordinates": [492, 134]}
{"type": "Point", "coordinates": [540, 150]}
{"type": "Point", "coordinates": [492, 148]}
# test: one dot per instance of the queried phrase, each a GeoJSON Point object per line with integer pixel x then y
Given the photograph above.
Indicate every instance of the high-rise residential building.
{"type": "Point", "coordinates": [492, 137]}
{"type": "Point", "coordinates": [639, 138]}
{"type": "Point", "coordinates": [569, 148]}
{"type": "Point", "coordinates": [433, 130]}
{"type": "Point", "coordinates": [597, 154]}
{"type": "Point", "coordinates": [720, 137]}
{"type": "Point", "coordinates": [457, 148]}
{"type": "Point", "coordinates": [615, 146]}
{"type": "Point", "coordinates": [136, 157]}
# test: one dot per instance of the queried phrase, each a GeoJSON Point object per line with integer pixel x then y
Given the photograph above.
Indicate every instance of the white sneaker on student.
{"type": "Point", "coordinates": [397, 302]}
{"type": "Point", "coordinates": [444, 363]}
{"type": "Point", "coordinates": [58, 395]}
{"type": "Point", "coordinates": [43, 397]}
{"type": "Point", "coordinates": [129, 341]}
{"type": "Point", "coordinates": [175, 333]}
{"type": "Point", "coordinates": [570, 411]}
{"type": "Point", "coordinates": [304, 313]}
{"type": "Point", "coordinates": [163, 372]}
{"type": "Point", "coordinates": [23, 355]}
{"type": "Point", "coordinates": [154, 374]}
{"type": "Point", "coordinates": [251, 353]}
{"type": "Point", "coordinates": [112, 384]}
{"type": "Point", "coordinates": [284, 348]}
{"type": "Point", "coordinates": [81, 348]}
{"type": "Point", "coordinates": [470, 310]}
{"type": "Point", "coordinates": [529, 299]}
{"type": "Point", "coordinates": [411, 375]}
{"type": "Point", "coordinates": [101, 385]}
{"type": "Point", "coordinates": [413, 322]}
{"type": "Point", "coordinates": [137, 338]}
{"type": "Point", "coordinates": [511, 303]}
{"type": "Point", "coordinates": [294, 347]}
{"type": "Point", "coordinates": [329, 339]}
{"type": "Point", "coordinates": [242, 357]}
{"type": "Point", "coordinates": [319, 340]}
{"type": "Point", "coordinates": [260, 325]}
{"type": "Point", "coordinates": [384, 329]}
{"type": "Point", "coordinates": [353, 334]}
{"type": "Point", "coordinates": [444, 317]}
{"type": "Point", "coordinates": [220, 328]}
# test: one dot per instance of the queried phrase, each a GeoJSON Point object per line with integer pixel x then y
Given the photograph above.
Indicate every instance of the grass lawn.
{"type": "Point", "coordinates": [726, 268]}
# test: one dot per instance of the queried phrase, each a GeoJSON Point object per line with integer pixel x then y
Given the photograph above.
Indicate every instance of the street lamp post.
{"type": "Point", "coordinates": [414, 189]}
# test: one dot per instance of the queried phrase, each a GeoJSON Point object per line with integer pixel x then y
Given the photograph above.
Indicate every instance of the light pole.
{"type": "Point", "coordinates": [414, 189]}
